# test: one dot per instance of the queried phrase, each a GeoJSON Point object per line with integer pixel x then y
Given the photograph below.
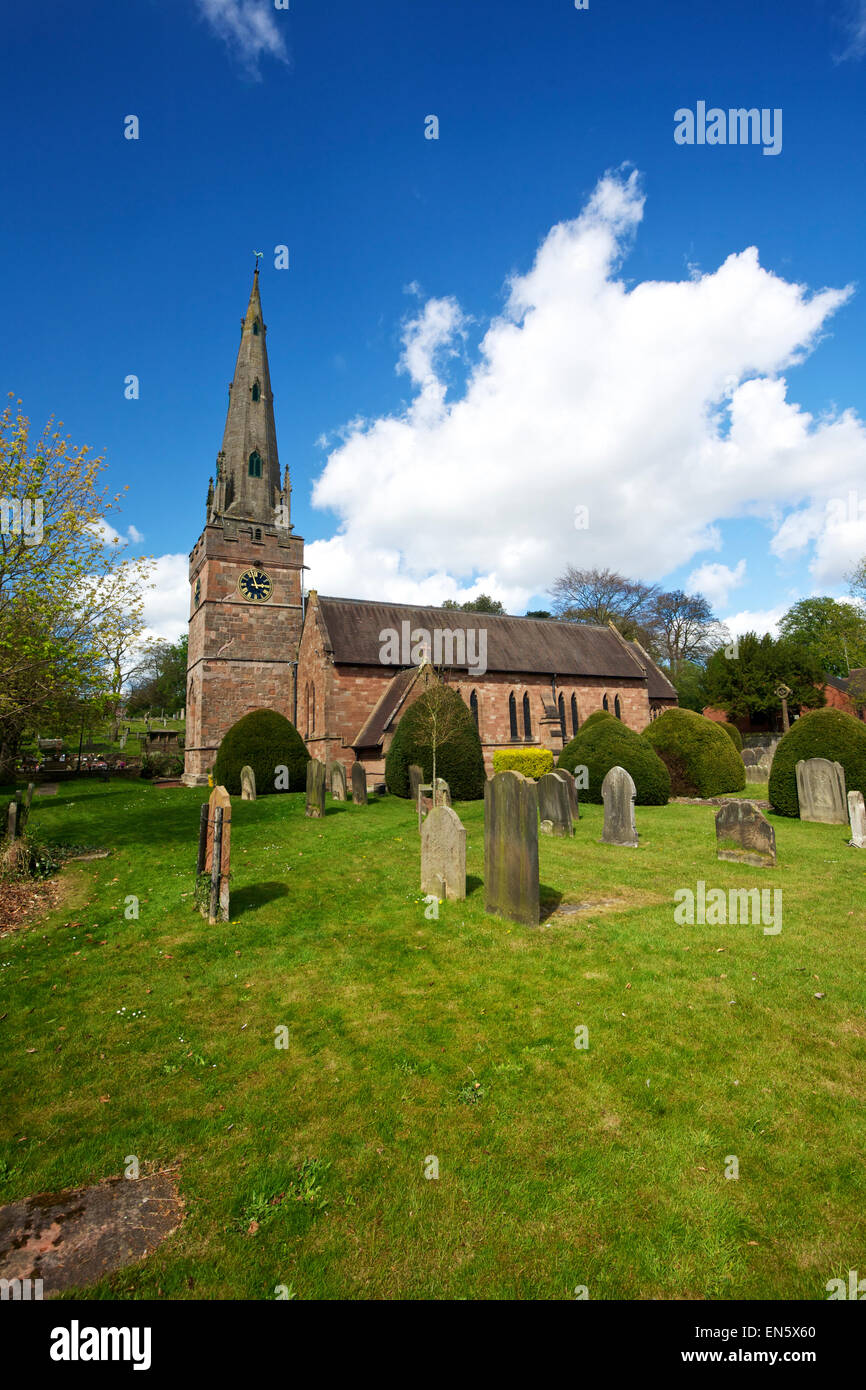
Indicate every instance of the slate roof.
{"type": "Point", "coordinates": [372, 733]}
{"type": "Point", "coordinates": [658, 685]}
{"type": "Point", "coordinates": [513, 644]}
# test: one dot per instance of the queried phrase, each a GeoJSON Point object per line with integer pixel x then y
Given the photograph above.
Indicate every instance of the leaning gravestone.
{"type": "Point", "coordinates": [443, 854]}
{"type": "Point", "coordinates": [618, 792]}
{"type": "Point", "coordinates": [248, 784]}
{"type": "Point", "coordinates": [416, 777]}
{"type": "Point", "coordinates": [744, 835]}
{"type": "Point", "coordinates": [337, 780]}
{"type": "Point", "coordinates": [821, 791]}
{"type": "Point", "coordinates": [315, 807]}
{"type": "Point", "coordinates": [857, 817]}
{"type": "Point", "coordinates": [443, 793]}
{"type": "Point", "coordinates": [554, 806]}
{"type": "Point", "coordinates": [511, 848]}
{"type": "Point", "coordinates": [571, 786]}
{"type": "Point", "coordinates": [359, 785]}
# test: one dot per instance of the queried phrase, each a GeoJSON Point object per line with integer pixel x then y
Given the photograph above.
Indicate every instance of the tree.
{"type": "Point", "coordinates": [439, 715]}
{"type": "Point", "coordinates": [64, 584]}
{"type": "Point", "coordinates": [745, 685]}
{"type": "Point", "coordinates": [538, 613]}
{"type": "Point", "coordinates": [833, 631]}
{"type": "Point", "coordinates": [603, 596]}
{"type": "Point", "coordinates": [482, 604]}
{"type": "Point", "coordinates": [160, 682]}
{"type": "Point", "coordinates": [684, 628]}
{"type": "Point", "coordinates": [688, 680]}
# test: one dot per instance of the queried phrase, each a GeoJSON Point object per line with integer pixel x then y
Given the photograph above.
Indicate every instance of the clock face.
{"type": "Point", "coordinates": [255, 585]}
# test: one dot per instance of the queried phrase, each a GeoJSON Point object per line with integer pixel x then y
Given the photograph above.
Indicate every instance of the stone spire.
{"type": "Point", "coordinates": [248, 486]}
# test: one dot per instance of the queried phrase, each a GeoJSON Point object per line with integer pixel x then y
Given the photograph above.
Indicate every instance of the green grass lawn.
{"type": "Point", "coordinates": [561, 1167]}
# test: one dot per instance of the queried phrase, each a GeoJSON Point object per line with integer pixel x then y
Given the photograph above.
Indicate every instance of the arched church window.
{"type": "Point", "coordinates": [512, 715]}
{"type": "Point", "coordinates": [604, 703]}
{"type": "Point", "coordinates": [255, 464]}
{"type": "Point", "coordinates": [574, 714]}
{"type": "Point", "coordinates": [617, 708]}
{"type": "Point", "coordinates": [527, 718]}
{"type": "Point", "coordinates": [256, 391]}
{"type": "Point", "coordinates": [561, 704]}
{"type": "Point", "coordinates": [473, 707]}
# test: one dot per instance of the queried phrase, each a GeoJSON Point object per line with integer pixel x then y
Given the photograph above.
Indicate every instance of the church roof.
{"type": "Point", "coordinates": [546, 645]}
{"type": "Point", "coordinates": [658, 685]}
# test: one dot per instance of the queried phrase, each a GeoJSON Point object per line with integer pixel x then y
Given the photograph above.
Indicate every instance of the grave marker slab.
{"type": "Point", "coordinates": [315, 807]}
{"type": "Point", "coordinates": [416, 777]}
{"type": "Point", "coordinates": [744, 835]}
{"type": "Point", "coordinates": [618, 793]}
{"type": "Point", "coordinates": [248, 784]}
{"type": "Point", "coordinates": [554, 805]}
{"type": "Point", "coordinates": [511, 887]}
{"type": "Point", "coordinates": [443, 793]}
{"type": "Point", "coordinates": [359, 785]}
{"type": "Point", "coordinates": [821, 791]}
{"type": "Point", "coordinates": [443, 854]}
{"type": "Point", "coordinates": [218, 853]}
{"type": "Point", "coordinates": [337, 781]}
{"type": "Point", "coordinates": [571, 785]}
{"type": "Point", "coordinates": [857, 818]}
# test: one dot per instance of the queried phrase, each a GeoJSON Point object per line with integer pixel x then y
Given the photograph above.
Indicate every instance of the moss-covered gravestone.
{"type": "Point", "coordinates": [618, 793]}
{"type": "Point", "coordinates": [554, 806]}
{"type": "Point", "coordinates": [443, 854]}
{"type": "Point", "coordinates": [359, 785]}
{"type": "Point", "coordinates": [315, 807]}
{"type": "Point", "coordinates": [511, 848]}
{"type": "Point", "coordinates": [571, 787]}
{"type": "Point", "coordinates": [821, 791]}
{"type": "Point", "coordinates": [744, 835]}
{"type": "Point", "coordinates": [337, 780]}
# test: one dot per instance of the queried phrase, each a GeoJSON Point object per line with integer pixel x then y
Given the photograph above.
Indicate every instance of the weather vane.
{"type": "Point", "coordinates": [258, 255]}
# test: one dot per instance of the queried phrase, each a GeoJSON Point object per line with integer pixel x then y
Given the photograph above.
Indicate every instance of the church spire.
{"type": "Point", "coordinates": [248, 467]}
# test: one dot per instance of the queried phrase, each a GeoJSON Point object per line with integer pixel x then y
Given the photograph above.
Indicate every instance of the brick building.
{"type": "Point", "coordinates": [327, 665]}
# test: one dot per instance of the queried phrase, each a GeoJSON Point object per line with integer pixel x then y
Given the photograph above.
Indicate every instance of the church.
{"type": "Point", "coordinates": [258, 641]}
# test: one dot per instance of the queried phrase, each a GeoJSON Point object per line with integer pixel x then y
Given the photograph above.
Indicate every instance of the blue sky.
{"type": "Point", "coordinates": [477, 334]}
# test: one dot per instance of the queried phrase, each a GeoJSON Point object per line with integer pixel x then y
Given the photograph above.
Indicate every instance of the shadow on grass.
{"type": "Point", "coordinates": [473, 883]}
{"type": "Point", "coordinates": [255, 896]}
{"type": "Point", "coordinates": [549, 901]}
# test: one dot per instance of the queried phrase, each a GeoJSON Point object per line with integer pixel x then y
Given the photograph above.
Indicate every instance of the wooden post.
{"type": "Point", "coordinates": [202, 840]}
{"type": "Point", "coordinates": [216, 857]}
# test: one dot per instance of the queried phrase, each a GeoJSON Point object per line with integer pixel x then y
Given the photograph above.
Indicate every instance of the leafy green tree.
{"type": "Point", "coordinates": [689, 683]}
{"type": "Point", "coordinates": [538, 613]}
{"type": "Point", "coordinates": [482, 604]}
{"type": "Point", "coordinates": [160, 682]}
{"type": "Point", "coordinates": [834, 632]}
{"type": "Point", "coordinates": [744, 684]}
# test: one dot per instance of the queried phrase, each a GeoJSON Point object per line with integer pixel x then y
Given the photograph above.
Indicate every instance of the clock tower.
{"type": "Point", "coordinates": [245, 569]}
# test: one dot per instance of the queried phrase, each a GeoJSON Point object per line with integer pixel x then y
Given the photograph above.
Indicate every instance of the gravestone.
{"type": "Point", "coordinates": [511, 848]}
{"type": "Point", "coordinates": [618, 792]}
{"type": "Point", "coordinates": [315, 807]}
{"type": "Point", "coordinates": [554, 806]}
{"type": "Point", "coordinates": [443, 793]}
{"type": "Point", "coordinates": [821, 791]}
{"type": "Point", "coordinates": [12, 820]}
{"type": "Point", "coordinates": [122, 742]}
{"type": "Point", "coordinates": [218, 854]}
{"type": "Point", "coordinates": [337, 781]}
{"type": "Point", "coordinates": [750, 757]}
{"type": "Point", "coordinates": [416, 777]}
{"type": "Point", "coordinates": [443, 854]}
{"type": "Point", "coordinates": [744, 835]}
{"type": "Point", "coordinates": [571, 785]}
{"type": "Point", "coordinates": [359, 785]}
{"type": "Point", "coordinates": [248, 784]}
{"type": "Point", "coordinates": [857, 817]}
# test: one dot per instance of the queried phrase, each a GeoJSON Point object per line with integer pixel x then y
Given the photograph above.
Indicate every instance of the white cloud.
{"type": "Point", "coordinates": [716, 581]}
{"type": "Point", "coordinates": [249, 28]}
{"type": "Point", "coordinates": [166, 605]}
{"type": "Point", "coordinates": [111, 536]}
{"type": "Point", "coordinates": [660, 407]}
{"type": "Point", "coordinates": [854, 23]}
{"type": "Point", "coordinates": [757, 620]}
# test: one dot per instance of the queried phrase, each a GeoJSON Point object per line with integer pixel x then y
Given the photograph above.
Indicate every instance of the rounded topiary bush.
{"type": "Point", "coordinates": [532, 762]}
{"type": "Point", "coordinates": [607, 743]}
{"type": "Point", "coordinates": [825, 733]}
{"type": "Point", "coordinates": [701, 759]}
{"type": "Point", "coordinates": [733, 734]}
{"type": "Point", "coordinates": [458, 756]}
{"type": "Point", "coordinates": [264, 741]}
{"type": "Point", "coordinates": [592, 719]}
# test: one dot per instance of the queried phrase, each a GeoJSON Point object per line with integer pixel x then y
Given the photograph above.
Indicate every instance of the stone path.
{"type": "Point", "coordinates": [73, 1238]}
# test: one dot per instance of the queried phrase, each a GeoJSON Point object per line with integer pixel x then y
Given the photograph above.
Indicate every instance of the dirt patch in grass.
{"type": "Point", "coordinates": [25, 902]}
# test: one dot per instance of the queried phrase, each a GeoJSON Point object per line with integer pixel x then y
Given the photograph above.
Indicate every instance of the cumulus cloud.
{"type": "Point", "coordinates": [661, 408]}
{"type": "Point", "coordinates": [250, 30]}
{"type": "Point", "coordinates": [166, 605]}
{"type": "Point", "coordinates": [759, 621]}
{"type": "Point", "coordinates": [854, 24]}
{"type": "Point", "coordinates": [715, 581]}
{"type": "Point", "coordinates": [111, 536]}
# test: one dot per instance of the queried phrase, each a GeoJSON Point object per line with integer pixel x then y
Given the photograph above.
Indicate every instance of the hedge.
{"type": "Point", "coordinates": [592, 719]}
{"type": "Point", "coordinates": [608, 743]}
{"type": "Point", "coordinates": [701, 760]}
{"type": "Point", "coordinates": [265, 741]}
{"type": "Point", "coordinates": [825, 733]}
{"type": "Point", "coordinates": [459, 760]}
{"type": "Point", "coordinates": [532, 762]}
{"type": "Point", "coordinates": [733, 734]}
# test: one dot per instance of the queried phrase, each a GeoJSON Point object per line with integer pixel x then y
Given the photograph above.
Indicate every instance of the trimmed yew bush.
{"type": "Point", "coordinates": [607, 743]}
{"type": "Point", "coordinates": [532, 762]}
{"type": "Point", "coordinates": [265, 740]}
{"type": "Point", "coordinates": [733, 734]}
{"type": "Point", "coordinates": [701, 759]}
{"type": "Point", "coordinates": [825, 733]}
{"type": "Point", "coordinates": [459, 759]}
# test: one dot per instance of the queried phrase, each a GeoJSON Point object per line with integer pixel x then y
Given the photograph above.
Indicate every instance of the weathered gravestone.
{"type": "Point", "coordinates": [248, 784]}
{"type": "Point", "coordinates": [821, 791]}
{"type": "Point", "coordinates": [744, 835]}
{"type": "Point", "coordinates": [217, 856]}
{"type": "Point", "coordinates": [618, 792]}
{"type": "Point", "coordinates": [337, 781]}
{"type": "Point", "coordinates": [750, 757]}
{"type": "Point", "coordinates": [511, 848]}
{"type": "Point", "coordinates": [315, 807]}
{"type": "Point", "coordinates": [554, 806]}
{"type": "Point", "coordinates": [443, 854]}
{"type": "Point", "coordinates": [416, 777]}
{"type": "Point", "coordinates": [571, 786]}
{"type": "Point", "coordinates": [443, 793]}
{"type": "Point", "coordinates": [12, 820]}
{"type": "Point", "coordinates": [857, 817]}
{"type": "Point", "coordinates": [359, 785]}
